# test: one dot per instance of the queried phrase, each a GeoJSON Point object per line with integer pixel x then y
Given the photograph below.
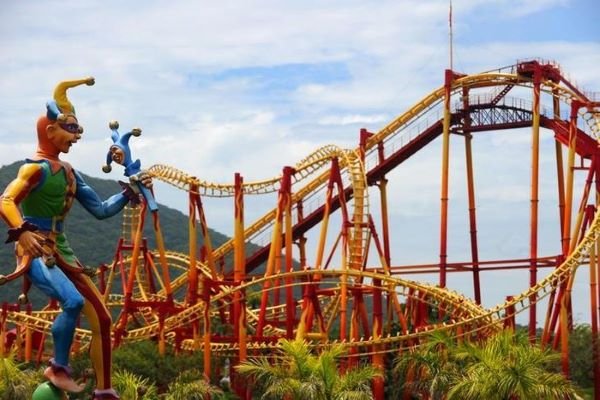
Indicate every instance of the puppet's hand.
{"type": "Point", "coordinates": [130, 192]}
{"type": "Point", "coordinates": [144, 178]}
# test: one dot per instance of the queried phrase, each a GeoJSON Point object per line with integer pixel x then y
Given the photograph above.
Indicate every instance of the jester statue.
{"type": "Point", "coordinates": [34, 206]}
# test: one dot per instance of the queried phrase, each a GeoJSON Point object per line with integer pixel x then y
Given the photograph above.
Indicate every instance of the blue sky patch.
{"type": "Point", "coordinates": [278, 78]}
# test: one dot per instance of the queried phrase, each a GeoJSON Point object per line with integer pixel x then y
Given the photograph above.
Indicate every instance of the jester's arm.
{"type": "Point", "coordinates": [90, 200]}
{"type": "Point", "coordinates": [28, 177]}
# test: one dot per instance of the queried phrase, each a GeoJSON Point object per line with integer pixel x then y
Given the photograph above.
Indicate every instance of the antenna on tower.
{"type": "Point", "coordinates": [450, 35]}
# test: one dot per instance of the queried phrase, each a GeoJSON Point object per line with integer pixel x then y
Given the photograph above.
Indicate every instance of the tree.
{"type": "Point", "coordinates": [15, 383]}
{"type": "Point", "coordinates": [580, 356]}
{"type": "Point", "coordinates": [507, 367]}
{"type": "Point", "coordinates": [133, 387]}
{"type": "Point", "coordinates": [191, 385]}
{"type": "Point", "coordinates": [298, 374]}
{"type": "Point", "coordinates": [429, 370]}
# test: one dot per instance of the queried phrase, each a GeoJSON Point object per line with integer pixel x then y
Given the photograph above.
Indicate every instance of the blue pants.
{"type": "Point", "coordinates": [54, 283]}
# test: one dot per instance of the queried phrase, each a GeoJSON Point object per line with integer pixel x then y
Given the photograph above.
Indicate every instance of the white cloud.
{"type": "Point", "coordinates": [353, 119]}
{"type": "Point", "coordinates": [167, 69]}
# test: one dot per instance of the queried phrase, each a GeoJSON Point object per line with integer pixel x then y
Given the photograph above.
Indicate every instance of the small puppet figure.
{"type": "Point", "coordinates": [120, 153]}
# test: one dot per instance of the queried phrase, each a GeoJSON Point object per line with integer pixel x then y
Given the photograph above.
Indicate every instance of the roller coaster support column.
{"type": "Point", "coordinates": [239, 275]}
{"type": "Point", "coordinates": [28, 338]}
{"type": "Point", "coordinates": [192, 295]}
{"type": "Point", "coordinates": [302, 239]}
{"type": "Point", "coordinates": [378, 383]}
{"type": "Point", "coordinates": [206, 287]}
{"type": "Point", "coordinates": [121, 325]}
{"type": "Point", "coordinates": [160, 244]}
{"type": "Point", "coordinates": [566, 233]}
{"type": "Point", "coordinates": [385, 230]}
{"type": "Point", "coordinates": [275, 249]}
{"type": "Point", "coordinates": [560, 175]}
{"type": "Point", "coordinates": [533, 233]}
{"type": "Point", "coordinates": [560, 172]}
{"type": "Point", "coordinates": [290, 322]}
{"type": "Point", "coordinates": [563, 301]}
{"type": "Point", "coordinates": [566, 237]}
{"type": "Point", "coordinates": [471, 194]}
{"type": "Point", "coordinates": [210, 260]}
{"type": "Point", "coordinates": [3, 316]}
{"type": "Point", "coordinates": [448, 77]}
{"type": "Point", "coordinates": [509, 321]}
{"type": "Point", "coordinates": [594, 295]}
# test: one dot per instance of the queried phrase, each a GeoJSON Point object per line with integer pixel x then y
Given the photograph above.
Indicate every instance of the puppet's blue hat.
{"type": "Point", "coordinates": [122, 142]}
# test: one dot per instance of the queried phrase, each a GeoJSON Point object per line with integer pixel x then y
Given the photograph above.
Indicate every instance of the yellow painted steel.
{"type": "Point", "coordinates": [466, 316]}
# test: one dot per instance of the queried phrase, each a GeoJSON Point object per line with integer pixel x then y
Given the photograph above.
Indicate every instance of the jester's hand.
{"type": "Point", "coordinates": [33, 244]}
{"type": "Point", "coordinates": [143, 177]}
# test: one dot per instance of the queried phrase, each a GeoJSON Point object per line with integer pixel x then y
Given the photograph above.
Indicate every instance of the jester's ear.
{"type": "Point", "coordinates": [50, 129]}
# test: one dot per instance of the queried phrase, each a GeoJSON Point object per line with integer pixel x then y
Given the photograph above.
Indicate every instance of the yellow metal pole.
{"type": "Point", "coordinates": [564, 335]}
{"type": "Point", "coordinates": [560, 179]}
{"type": "Point", "coordinates": [533, 232]}
{"type": "Point", "coordinates": [206, 345]}
{"type": "Point", "coordinates": [193, 250]}
{"type": "Point", "coordinates": [594, 315]}
{"type": "Point", "coordinates": [385, 230]}
{"type": "Point", "coordinates": [160, 244]}
{"type": "Point", "coordinates": [239, 266]}
{"type": "Point", "coordinates": [566, 238]}
{"type": "Point", "coordinates": [445, 179]}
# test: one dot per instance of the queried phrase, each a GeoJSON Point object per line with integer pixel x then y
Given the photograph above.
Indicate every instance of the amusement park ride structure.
{"type": "Point", "coordinates": [214, 299]}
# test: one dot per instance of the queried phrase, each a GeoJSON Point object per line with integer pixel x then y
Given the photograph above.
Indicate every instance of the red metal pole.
{"type": "Point", "coordinates": [378, 383]}
{"type": "Point", "coordinates": [290, 303]}
{"type": "Point", "coordinates": [471, 195]}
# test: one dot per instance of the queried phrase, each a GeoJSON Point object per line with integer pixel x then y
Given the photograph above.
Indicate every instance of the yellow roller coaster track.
{"type": "Point", "coordinates": [473, 318]}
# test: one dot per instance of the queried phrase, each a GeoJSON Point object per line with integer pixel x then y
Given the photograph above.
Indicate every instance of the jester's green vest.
{"type": "Point", "coordinates": [47, 205]}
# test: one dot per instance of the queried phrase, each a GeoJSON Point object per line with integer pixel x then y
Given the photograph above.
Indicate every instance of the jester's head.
{"type": "Point", "coordinates": [120, 152]}
{"type": "Point", "coordinates": [59, 128]}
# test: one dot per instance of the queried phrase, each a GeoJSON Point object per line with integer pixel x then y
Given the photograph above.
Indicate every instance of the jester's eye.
{"type": "Point", "coordinates": [71, 128]}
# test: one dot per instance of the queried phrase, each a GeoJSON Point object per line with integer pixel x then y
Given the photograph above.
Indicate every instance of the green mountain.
{"type": "Point", "coordinates": [95, 241]}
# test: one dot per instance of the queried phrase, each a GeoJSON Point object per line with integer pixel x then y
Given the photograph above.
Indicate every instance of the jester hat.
{"type": "Point", "coordinates": [122, 142]}
{"type": "Point", "coordinates": [59, 108]}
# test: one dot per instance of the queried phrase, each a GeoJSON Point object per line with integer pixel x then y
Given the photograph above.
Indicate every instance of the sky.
{"type": "Point", "coordinates": [253, 86]}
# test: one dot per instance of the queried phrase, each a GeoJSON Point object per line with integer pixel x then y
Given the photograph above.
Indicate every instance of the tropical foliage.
{"type": "Point", "coordinates": [296, 373]}
{"type": "Point", "coordinates": [580, 356]}
{"type": "Point", "coordinates": [430, 370]}
{"type": "Point", "coordinates": [15, 382]}
{"type": "Point", "coordinates": [191, 385]}
{"type": "Point", "coordinates": [133, 387]}
{"type": "Point", "coordinates": [503, 367]}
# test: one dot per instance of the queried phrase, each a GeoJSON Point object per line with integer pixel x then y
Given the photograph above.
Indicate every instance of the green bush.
{"type": "Point", "coordinates": [144, 359]}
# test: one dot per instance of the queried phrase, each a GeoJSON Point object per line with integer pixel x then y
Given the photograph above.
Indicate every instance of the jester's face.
{"type": "Point", "coordinates": [64, 134]}
{"type": "Point", "coordinates": [117, 154]}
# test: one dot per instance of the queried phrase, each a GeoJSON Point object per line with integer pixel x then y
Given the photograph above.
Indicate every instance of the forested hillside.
{"type": "Point", "coordinates": [95, 241]}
